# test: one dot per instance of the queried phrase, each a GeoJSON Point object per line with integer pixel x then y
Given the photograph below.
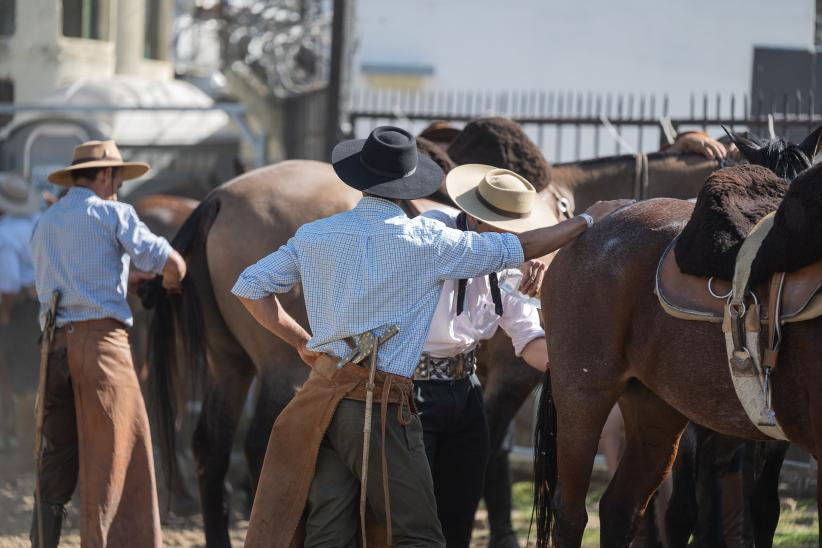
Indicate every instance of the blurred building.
{"type": "Point", "coordinates": [47, 44]}
{"type": "Point", "coordinates": [69, 57]}
{"type": "Point", "coordinates": [597, 46]}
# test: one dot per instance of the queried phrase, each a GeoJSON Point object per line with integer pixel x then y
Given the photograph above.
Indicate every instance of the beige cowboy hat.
{"type": "Point", "coordinates": [98, 154]}
{"type": "Point", "coordinates": [16, 196]}
{"type": "Point", "coordinates": [498, 197]}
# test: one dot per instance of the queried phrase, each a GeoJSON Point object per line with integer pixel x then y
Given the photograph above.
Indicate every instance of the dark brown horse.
{"type": "Point", "coordinates": [616, 344]}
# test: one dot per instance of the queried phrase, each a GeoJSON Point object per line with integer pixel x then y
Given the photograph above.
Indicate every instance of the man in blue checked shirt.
{"type": "Point", "coordinates": [363, 271]}
{"type": "Point", "coordinates": [95, 428]}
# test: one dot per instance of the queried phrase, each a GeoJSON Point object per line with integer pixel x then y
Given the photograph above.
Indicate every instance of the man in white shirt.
{"type": "Point", "coordinates": [447, 392]}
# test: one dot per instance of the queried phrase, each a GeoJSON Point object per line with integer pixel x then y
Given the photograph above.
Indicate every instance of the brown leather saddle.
{"type": "Point", "coordinates": [691, 297]}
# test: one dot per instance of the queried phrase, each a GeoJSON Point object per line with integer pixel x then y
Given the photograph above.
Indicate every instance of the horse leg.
{"type": "Point", "coordinates": [212, 442]}
{"type": "Point", "coordinates": [652, 431]}
{"type": "Point", "coordinates": [680, 518]}
{"type": "Point", "coordinates": [275, 393]}
{"type": "Point", "coordinates": [765, 499]}
{"type": "Point", "coordinates": [578, 432]}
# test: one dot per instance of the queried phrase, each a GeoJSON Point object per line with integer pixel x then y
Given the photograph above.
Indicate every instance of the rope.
{"type": "Point", "coordinates": [615, 134]}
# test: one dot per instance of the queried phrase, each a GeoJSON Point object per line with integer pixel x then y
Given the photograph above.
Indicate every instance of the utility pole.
{"type": "Point", "coordinates": [339, 77]}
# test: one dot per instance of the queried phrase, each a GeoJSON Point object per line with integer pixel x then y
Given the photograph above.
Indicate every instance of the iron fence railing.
{"type": "Point", "coordinates": [569, 126]}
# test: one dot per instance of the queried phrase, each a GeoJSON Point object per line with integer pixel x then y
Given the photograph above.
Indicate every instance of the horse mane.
{"type": "Point", "coordinates": [501, 142]}
{"type": "Point", "coordinates": [785, 158]}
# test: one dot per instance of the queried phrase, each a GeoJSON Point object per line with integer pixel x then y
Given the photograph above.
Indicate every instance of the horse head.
{"type": "Point", "coordinates": [781, 156]}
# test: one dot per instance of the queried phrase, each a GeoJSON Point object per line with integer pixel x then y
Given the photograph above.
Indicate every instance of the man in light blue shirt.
{"type": "Point", "coordinates": [363, 271]}
{"type": "Point", "coordinates": [95, 427]}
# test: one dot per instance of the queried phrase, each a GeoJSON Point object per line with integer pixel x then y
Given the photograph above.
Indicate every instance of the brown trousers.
{"type": "Point", "coordinates": [96, 427]}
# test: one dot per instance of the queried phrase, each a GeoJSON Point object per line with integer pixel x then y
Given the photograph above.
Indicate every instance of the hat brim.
{"type": "Point", "coordinates": [461, 184]}
{"type": "Point", "coordinates": [426, 179]}
{"type": "Point", "coordinates": [28, 207]}
{"type": "Point", "coordinates": [131, 170]}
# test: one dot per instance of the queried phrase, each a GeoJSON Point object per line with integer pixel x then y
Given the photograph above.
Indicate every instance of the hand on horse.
{"type": "Point", "coordinates": [533, 272]}
{"type": "Point", "coordinates": [308, 356]}
{"type": "Point", "coordinates": [600, 210]}
{"type": "Point", "coordinates": [700, 143]}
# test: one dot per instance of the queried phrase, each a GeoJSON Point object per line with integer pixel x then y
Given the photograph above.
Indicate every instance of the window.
{"type": "Point", "coordinates": [6, 96]}
{"type": "Point", "coordinates": [7, 17]}
{"type": "Point", "coordinates": [153, 45]}
{"type": "Point", "coordinates": [82, 19]}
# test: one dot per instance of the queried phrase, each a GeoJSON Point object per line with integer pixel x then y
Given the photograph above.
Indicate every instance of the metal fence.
{"type": "Point", "coordinates": [569, 126]}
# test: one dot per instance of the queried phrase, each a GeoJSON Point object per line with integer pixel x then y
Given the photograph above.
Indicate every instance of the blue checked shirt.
{"type": "Point", "coordinates": [371, 267]}
{"type": "Point", "coordinates": [83, 246]}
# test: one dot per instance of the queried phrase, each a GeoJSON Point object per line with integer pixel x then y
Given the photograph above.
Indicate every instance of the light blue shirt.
{"type": "Point", "coordinates": [372, 267]}
{"type": "Point", "coordinates": [83, 246]}
{"type": "Point", "coordinates": [16, 270]}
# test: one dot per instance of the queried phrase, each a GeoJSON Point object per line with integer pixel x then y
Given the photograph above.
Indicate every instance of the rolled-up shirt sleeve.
{"type": "Point", "coordinates": [275, 273]}
{"type": "Point", "coordinates": [468, 254]}
{"type": "Point", "coordinates": [520, 321]}
{"type": "Point", "coordinates": [148, 251]}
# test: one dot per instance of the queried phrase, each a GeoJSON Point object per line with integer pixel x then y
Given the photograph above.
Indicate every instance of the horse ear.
{"type": "Point", "coordinates": [812, 143]}
{"type": "Point", "coordinates": [749, 149]}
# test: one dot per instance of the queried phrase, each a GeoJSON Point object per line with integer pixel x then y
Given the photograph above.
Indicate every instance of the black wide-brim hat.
{"type": "Point", "coordinates": [387, 164]}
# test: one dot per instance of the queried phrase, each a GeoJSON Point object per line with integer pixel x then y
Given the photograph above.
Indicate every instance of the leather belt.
{"type": "Point", "coordinates": [446, 369]}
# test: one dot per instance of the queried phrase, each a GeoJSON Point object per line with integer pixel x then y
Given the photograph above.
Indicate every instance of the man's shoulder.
{"type": "Point", "coordinates": [333, 223]}
{"type": "Point", "coordinates": [448, 216]}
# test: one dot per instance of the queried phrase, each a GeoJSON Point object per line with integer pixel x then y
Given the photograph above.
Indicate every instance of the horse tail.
{"type": "Point", "coordinates": [176, 348]}
{"type": "Point", "coordinates": [545, 463]}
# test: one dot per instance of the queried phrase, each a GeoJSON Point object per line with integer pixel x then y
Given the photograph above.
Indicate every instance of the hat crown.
{"type": "Point", "coordinates": [14, 188]}
{"type": "Point", "coordinates": [94, 151]}
{"type": "Point", "coordinates": [507, 191]}
{"type": "Point", "coordinates": [390, 152]}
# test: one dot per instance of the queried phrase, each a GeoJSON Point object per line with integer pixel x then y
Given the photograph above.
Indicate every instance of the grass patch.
{"type": "Point", "coordinates": [798, 522]}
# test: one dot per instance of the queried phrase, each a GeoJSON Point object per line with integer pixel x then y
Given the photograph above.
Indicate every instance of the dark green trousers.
{"type": "Point", "coordinates": [332, 513]}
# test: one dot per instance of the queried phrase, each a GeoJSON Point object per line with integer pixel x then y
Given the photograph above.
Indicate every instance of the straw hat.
{"type": "Point", "coordinates": [498, 197]}
{"type": "Point", "coordinates": [98, 154]}
{"type": "Point", "coordinates": [16, 196]}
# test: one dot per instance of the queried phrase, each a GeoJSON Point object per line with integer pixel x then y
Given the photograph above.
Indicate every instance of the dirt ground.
{"type": "Point", "coordinates": [797, 527]}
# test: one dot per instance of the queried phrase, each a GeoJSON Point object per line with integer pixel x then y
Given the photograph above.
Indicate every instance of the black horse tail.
{"type": "Point", "coordinates": [545, 463]}
{"type": "Point", "coordinates": [176, 339]}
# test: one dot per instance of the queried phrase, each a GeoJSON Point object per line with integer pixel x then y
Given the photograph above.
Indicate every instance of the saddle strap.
{"type": "Point", "coordinates": [771, 355]}
{"type": "Point", "coordinates": [745, 258]}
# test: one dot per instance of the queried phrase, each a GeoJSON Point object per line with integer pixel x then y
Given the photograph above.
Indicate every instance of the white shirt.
{"type": "Point", "coordinates": [451, 335]}
{"type": "Point", "coordinates": [16, 270]}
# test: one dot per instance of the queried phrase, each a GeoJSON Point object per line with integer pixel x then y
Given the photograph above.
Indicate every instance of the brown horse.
{"type": "Point", "coordinates": [616, 344]}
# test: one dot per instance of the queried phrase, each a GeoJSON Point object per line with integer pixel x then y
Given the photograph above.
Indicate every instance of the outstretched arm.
{"type": "Point", "coordinates": [542, 241]}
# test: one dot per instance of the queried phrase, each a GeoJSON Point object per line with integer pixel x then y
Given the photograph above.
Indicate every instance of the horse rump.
{"type": "Point", "coordinates": [730, 203]}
